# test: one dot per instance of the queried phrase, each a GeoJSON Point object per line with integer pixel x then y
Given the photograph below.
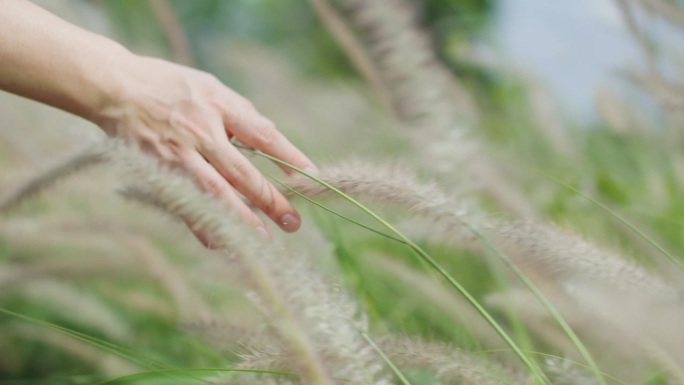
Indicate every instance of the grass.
{"type": "Point", "coordinates": [396, 291]}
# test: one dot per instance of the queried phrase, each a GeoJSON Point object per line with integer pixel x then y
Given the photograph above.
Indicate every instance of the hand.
{"type": "Point", "coordinates": [186, 118]}
{"type": "Point", "coordinates": [183, 116]}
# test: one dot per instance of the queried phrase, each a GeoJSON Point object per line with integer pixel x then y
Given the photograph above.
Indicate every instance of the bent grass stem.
{"type": "Point", "coordinates": [531, 366]}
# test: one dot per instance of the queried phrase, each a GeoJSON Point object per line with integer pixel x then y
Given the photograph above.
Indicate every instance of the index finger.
{"type": "Point", "coordinates": [244, 122]}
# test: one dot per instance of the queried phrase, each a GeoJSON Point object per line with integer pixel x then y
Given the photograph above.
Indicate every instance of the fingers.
{"type": "Point", "coordinates": [212, 182]}
{"type": "Point", "coordinates": [237, 170]}
{"type": "Point", "coordinates": [244, 122]}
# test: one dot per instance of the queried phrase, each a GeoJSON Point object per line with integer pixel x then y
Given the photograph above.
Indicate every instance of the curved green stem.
{"type": "Point", "coordinates": [531, 366]}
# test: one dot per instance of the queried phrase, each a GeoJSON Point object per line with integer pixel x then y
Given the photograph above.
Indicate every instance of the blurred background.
{"type": "Point", "coordinates": [485, 97]}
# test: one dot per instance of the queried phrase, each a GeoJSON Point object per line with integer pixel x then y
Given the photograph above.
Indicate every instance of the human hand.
{"type": "Point", "coordinates": [186, 118]}
{"type": "Point", "coordinates": [183, 116]}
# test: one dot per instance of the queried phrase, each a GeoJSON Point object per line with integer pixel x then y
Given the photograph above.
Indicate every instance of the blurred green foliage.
{"type": "Point", "coordinates": [290, 26]}
{"type": "Point", "coordinates": [612, 167]}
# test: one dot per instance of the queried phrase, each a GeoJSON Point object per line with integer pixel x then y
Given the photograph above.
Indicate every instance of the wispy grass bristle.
{"type": "Point", "coordinates": [304, 310]}
{"type": "Point", "coordinates": [91, 156]}
{"type": "Point", "coordinates": [449, 364]}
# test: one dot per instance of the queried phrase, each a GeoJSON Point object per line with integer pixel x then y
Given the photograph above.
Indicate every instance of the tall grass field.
{"type": "Point", "coordinates": [462, 228]}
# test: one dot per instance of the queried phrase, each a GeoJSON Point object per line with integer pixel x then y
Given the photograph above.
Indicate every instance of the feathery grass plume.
{"type": "Point", "coordinates": [658, 53]}
{"type": "Point", "coordinates": [442, 297]}
{"type": "Point", "coordinates": [247, 379]}
{"type": "Point", "coordinates": [621, 116]}
{"type": "Point", "coordinates": [530, 312]}
{"type": "Point", "coordinates": [81, 160]}
{"type": "Point", "coordinates": [111, 243]}
{"type": "Point", "coordinates": [652, 324]}
{"type": "Point", "coordinates": [563, 256]}
{"type": "Point", "coordinates": [629, 11]}
{"type": "Point", "coordinates": [670, 11]}
{"type": "Point", "coordinates": [421, 87]}
{"type": "Point", "coordinates": [565, 372]}
{"type": "Point", "coordinates": [346, 38]}
{"type": "Point", "coordinates": [611, 348]}
{"type": "Point", "coordinates": [15, 274]}
{"type": "Point", "coordinates": [631, 333]}
{"type": "Point", "coordinates": [670, 94]}
{"type": "Point", "coordinates": [236, 336]}
{"type": "Point", "coordinates": [173, 31]}
{"type": "Point", "coordinates": [395, 185]}
{"type": "Point", "coordinates": [305, 311]}
{"type": "Point", "coordinates": [667, 93]}
{"type": "Point", "coordinates": [431, 102]}
{"type": "Point", "coordinates": [257, 347]}
{"type": "Point", "coordinates": [450, 364]}
{"type": "Point", "coordinates": [542, 248]}
{"type": "Point", "coordinates": [188, 305]}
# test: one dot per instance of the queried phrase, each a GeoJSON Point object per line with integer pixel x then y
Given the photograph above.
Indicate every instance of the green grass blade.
{"type": "Point", "coordinates": [389, 362]}
{"type": "Point", "coordinates": [547, 355]}
{"type": "Point", "coordinates": [532, 367]}
{"type": "Point", "coordinates": [328, 209]}
{"type": "Point", "coordinates": [126, 354]}
{"type": "Point", "coordinates": [615, 215]}
{"type": "Point", "coordinates": [183, 374]}
{"type": "Point", "coordinates": [581, 348]}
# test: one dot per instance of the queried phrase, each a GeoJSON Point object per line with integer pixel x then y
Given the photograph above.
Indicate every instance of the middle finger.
{"type": "Point", "coordinates": [245, 177]}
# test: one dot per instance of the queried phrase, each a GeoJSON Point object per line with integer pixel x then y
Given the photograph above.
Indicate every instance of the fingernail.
{"type": "Point", "coordinates": [289, 222]}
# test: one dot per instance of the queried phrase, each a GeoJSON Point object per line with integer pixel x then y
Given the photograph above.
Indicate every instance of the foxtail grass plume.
{"type": "Point", "coordinates": [438, 112]}
{"type": "Point", "coordinates": [307, 313]}
{"type": "Point", "coordinates": [450, 364]}
{"type": "Point", "coordinates": [540, 248]}
{"type": "Point", "coordinates": [90, 157]}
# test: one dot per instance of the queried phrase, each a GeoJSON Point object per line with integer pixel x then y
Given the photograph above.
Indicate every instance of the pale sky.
{"type": "Point", "coordinates": [574, 46]}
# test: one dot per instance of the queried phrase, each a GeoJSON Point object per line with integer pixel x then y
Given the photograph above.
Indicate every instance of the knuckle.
{"type": "Point", "coordinates": [213, 187]}
{"type": "Point", "coordinates": [265, 135]}
{"type": "Point", "coordinates": [269, 202]}
{"type": "Point", "coordinates": [239, 171]}
{"type": "Point", "coordinates": [234, 117]}
{"type": "Point", "coordinates": [268, 125]}
{"type": "Point", "coordinates": [206, 143]}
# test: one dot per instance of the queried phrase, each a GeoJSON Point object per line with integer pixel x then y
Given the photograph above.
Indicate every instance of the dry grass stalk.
{"type": "Point", "coordinates": [15, 274]}
{"type": "Point", "coordinates": [437, 110]}
{"type": "Point", "coordinates": [450, 364]}
{"type": "Point", "coordinates": [565, 372]}
{"type": "Point", "coordinates": [630, 13]}
{"type": "Point", "coordinates": [540, 248]}
{"type": "Point", "coordinates": [667, 10]}
{"type": "Point", "coordinates": [653, 325]}
{"type": "Point", "coordinates": [422, 89]}
{"type": "Point", "coordinates": [548, 121]}
{"type": "Point", "coordinates": [568, 258]}
{"type": "Point", "coordinates": [630, 333]}
{"type": "Point", "coordinates": [395, 185]}
{"type": "Point", "coordinates": [305, 311]}
{"type": "Point", "coordinates": [110, 243]}
{"type": "Point", "coordinates": [173, 30]}
{"type": "Point", "coordinates": [346, 38]}
{"type": "Point", "coordinates": [82, 160]}
{"type": "Point", "coordinates": [443, 298]}
{"type": "Point", "coordinates": [669, 94]}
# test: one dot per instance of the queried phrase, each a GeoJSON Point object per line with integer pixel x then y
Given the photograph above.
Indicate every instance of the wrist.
{"type": "Point", "coordinates": [107, 81]}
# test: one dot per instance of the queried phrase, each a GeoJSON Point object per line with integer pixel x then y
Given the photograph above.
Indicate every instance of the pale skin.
{"type": "Point", "coordinates": [183, 116]}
